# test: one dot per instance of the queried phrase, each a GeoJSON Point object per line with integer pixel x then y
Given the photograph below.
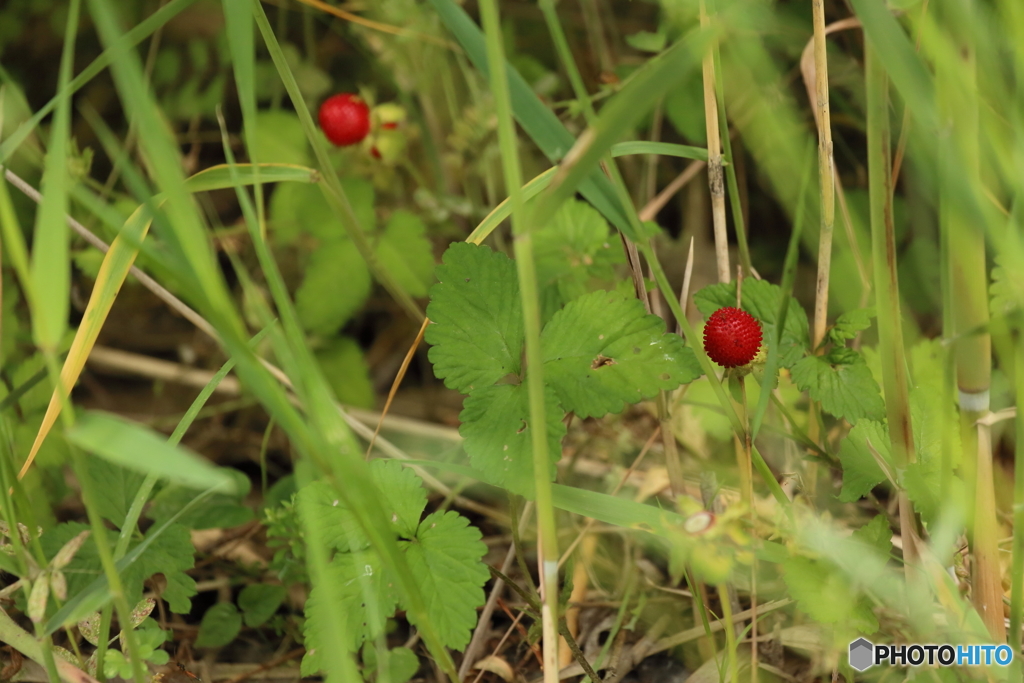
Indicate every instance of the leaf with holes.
{"type": "Point", "coordinates": [496, 428]}
{"type": "Point", "coordinates": [603, 352]}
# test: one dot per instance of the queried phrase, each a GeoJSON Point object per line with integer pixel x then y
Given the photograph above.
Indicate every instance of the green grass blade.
{"type": "Point", "coordinates": [51, 266]}
{"type": "Point", "coordinates": [131, 446]}
{"type": "Point", "coordinates": [667, 149]}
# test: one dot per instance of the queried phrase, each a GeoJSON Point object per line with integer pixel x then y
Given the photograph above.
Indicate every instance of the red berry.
{"type": "Point", "coordinates": [345, 119]}
{"type": "Point", "coordinates": [732, 337]}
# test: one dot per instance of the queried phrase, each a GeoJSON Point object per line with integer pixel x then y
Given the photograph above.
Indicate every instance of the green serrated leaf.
{"type": "Point", "coordinates": [259, 601]}
{"type": "Point", "coordinates": [761, 299]}
{"type": "Point", "coordinates": [220, 625]}
{"type": "Point", "coordinates": [1006, 290]}
{"type": "Point", "coordinates": [115, 487]}
{"type": "Point", "coordinates": [477, 330]}
{"type": "Point", "coordinates": [445, 559]}
{"type": "Point", "coordinates": [368, 600]}
{"type": "Point", "coordinates": [876, 534]}
{"type": "Point", "coordinates": [345, 369]}
{"type": "Point", "coordinates": [170, 554]}
{"type": "Point", "coordinates": [405, 251]}
{"type": "Point", "coordinates": [336, 285]}
{"type": "Point", "coordinates": [404, 498]}
{"type": "Point", "coordinates": [846, 391]}
{"type": "Point", "coordinates": [575, 253]}
{"type": "Point", "coordinates": [824, 594]}
{"type": "Point", "coordinates": [603, 352]}
{"type": "Point", "coordinates": [861, 471]}
{"type": "Point", "coordinates": [496, 432]}
{"type": "Point", "coordinates": [850, 323]}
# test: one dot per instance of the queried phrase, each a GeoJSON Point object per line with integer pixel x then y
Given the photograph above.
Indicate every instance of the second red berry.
{"type": "Point", "coordinates": [732, 337]}
{"type": "Point", "coordinates": [345, 119]}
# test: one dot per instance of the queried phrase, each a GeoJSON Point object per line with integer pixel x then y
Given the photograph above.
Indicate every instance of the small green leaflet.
{"type": "Point", "coordinates": [603, 352]}
{"type": "Point", "coordinates": [761, 299]}
{"type": "Point", "coordinates": [846, 390]}
{"type": "Point", "coordinates": [405, 251]}
{"type": "Point", "coordinates": [496, 428]}
{"type": "Point", "coordinates": [336, 284]}
{"type": "Point", "coordinates": [876, 534]}
{"type": "Point", "coordinates": [220, 624]}
{"type": "Point", "coordinates": [850, 323]}
{"type": "Point", "coordinates": [826, 595]}
{"type": "Point", "coordinates": [171, 554]}
{"type": "Point", "coordinates": [861, 471]}
{"type": "Point", "coordinates": [259, 601]}
{"type": "Point", "coordinates": [443, 550]}
{"type": "Point", "coordinates": [477, 331]}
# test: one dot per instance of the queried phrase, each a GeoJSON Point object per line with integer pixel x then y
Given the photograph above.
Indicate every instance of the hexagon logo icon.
{"type": "Point", "coordinates": [862, 654]}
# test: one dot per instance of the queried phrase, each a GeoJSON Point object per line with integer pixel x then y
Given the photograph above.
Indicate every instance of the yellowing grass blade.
{"type": "Point", "coordinates": [114, 269]}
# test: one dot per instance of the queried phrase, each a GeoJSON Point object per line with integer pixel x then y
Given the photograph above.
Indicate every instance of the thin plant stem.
{"type": "Point", "coordinates": [1017, 570]}
{"type": "Point", "coordinates": [547, 538]}
{"type": "Point", "coordinates": [826, 172]}
{"type": "Point", "coordinates": [716, 178]}
{"type": "Point", "coordinates": [890, 329]}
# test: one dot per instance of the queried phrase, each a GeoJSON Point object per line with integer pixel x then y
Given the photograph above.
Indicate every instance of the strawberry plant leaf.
{"type": "Point", "coordinates": [171, 554]}
{"type": "Point", "coordinates": [574, 251]}
{"type": "Point", "coordinates": [477, 330]}
{"type": "Point", "coordinates": [335, 286]}
{"type": "Point", "coordinates": [445, 558]}
{"type": "Point", "coordinates": [115, 487]}
{"type": "Point", "coordinates": [368, 599]}
{"type": "Point", "coordinates": [823, 593]}
{"type": "Point", "coordinates": [847, 390]}
{"type": "Point", "coordinates": [603, 352]}
{"type": "Point", "coordinates": [876, 534]}
{"type": "Point", "coordinates": [220, 624]}
{"type": "Point", "coordinates": [861, 471]}
{"type": "Point", "coordinates": [404, 497]}
{"type": "Point", "coordinates": [259, 601]}
{"type": "Point", "coordinates": [280, 138]}
{"type": "Point", "coordinates": [850, 323]}
{"type": "Point", "coordinates": [496, 432]}
{"type": "Point", "coordinates": [405, 251]}
{"type": "Point", "coordinates": [761, 299]}
{"type": "Point", "coordinates": [345, 369]}
{"type": "Point", "coordinates": [301, 208]}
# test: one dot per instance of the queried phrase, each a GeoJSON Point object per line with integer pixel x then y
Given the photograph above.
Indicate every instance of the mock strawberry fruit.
{"type": "Point", "coordinates": [345, 119]}
{"type": "Point", "coordinates": [732, 337]}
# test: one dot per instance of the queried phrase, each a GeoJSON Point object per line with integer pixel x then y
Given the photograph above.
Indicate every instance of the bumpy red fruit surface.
{"type": "Point", "coordinates": [345, 119]}
{"type": "Point", "coordinates": [732, 337]}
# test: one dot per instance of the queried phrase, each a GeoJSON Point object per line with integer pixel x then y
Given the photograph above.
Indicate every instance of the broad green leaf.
{"type": "Point", "coordinates": [850, 323]}
{"type": "Point", "coordinates": [574, 252]}
{"type": "Point", "coordinates": [603, 352]}
{"type": "Point", "coordinates": [846, 390]}
{"type": "Point", "coordinates": [280, 138]}
{"type": "Point", "coordinates": [822, 592]}
{"type": "Point", "coordinates": [446, 559]}
{"type": "Point", "coordinates": [345, 369]}
{"type": "Point", "coordinates": [368, 600]}
{"type": "Point", "coordinates": [220, 625]}
{"type": "Point", "coordinates": [336, 285]}
{"type": "Point", "coordinates": [132, 446]}
{"type": "Point", "coordinates": [301, 208]}
{"type": "Point", "coordinates": [497, 433]}
{"type": "Point", "coordinates": [761, 299]}
{"type": "Point", "coordinates": [115, 487]}
{"type": "Point", "coordinates": [402, 664]}
{"type": "Point", "coordinates": [404, 500]}
{"type": "Point", "coordinates": [477, 321]}
{"type": "Point", "coordinates": [403, 248]}
{"type": "Point", "coordinates": [861, 471]}
{"type": "Point", "coordinates": [171, 554]}
{"type": "Point", "coordinates": [259, 601]}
